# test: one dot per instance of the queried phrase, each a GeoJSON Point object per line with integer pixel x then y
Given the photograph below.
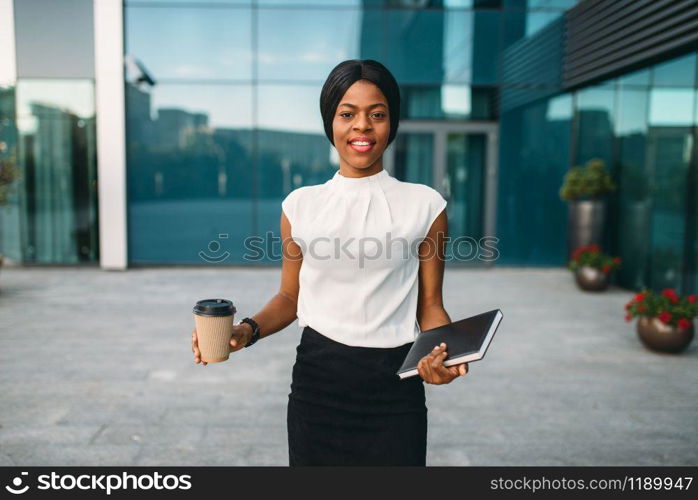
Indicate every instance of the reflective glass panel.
{"type": "Point", "coordinates": [57, 192]}
{"type": "Point", "coordinates": [187, 43]}
{"type": "Point", "coordinates": [190, 173]}
{"type": "Point", "coordinates": [299, 44]}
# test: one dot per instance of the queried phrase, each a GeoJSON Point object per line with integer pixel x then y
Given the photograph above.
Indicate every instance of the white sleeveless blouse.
{"type": "Point", "coordinates": [360, 240]}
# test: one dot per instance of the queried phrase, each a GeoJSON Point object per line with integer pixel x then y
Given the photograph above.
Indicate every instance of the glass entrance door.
{"type": "Point", "coordinates": [459, 161]}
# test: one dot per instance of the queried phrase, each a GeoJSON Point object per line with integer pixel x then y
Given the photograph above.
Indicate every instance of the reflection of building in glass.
{"type": "Point", "coordinates": [58, 191]}
{"type": "Point", "coordinates": [499, 99]}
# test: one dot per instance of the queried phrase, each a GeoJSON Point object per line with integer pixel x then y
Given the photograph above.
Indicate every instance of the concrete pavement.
{"type": "Point", "coordinates": [96, 369]}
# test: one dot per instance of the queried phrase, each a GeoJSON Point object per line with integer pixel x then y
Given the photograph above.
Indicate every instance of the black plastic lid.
{"type": "Point", "coordinates": [214, 307]}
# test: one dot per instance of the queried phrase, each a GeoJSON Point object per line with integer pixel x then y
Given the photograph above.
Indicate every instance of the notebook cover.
{"type": "Point", "coordinates": [466, 337]}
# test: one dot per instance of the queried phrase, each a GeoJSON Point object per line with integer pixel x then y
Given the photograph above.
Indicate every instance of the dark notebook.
{"type": "Point", "coordinates": [466, 340]}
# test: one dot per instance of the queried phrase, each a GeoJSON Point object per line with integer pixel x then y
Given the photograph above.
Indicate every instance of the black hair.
{"type": "Point", "coordinates": [344, 75]}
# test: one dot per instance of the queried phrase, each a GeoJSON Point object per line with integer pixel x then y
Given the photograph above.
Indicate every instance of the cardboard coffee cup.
{"type": "Point", "coordinates": [214, 328]}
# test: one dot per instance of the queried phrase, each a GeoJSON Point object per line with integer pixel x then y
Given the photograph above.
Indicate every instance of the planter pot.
{"type": "Point", "coordinates": [591, 278]}
{"type": "Point", "coordinates": [585, 220]}
{"type": "Point", "coordinates": [662, 337]}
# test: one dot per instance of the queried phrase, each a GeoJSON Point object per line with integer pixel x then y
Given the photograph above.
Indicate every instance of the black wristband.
{"type": "Point", "coordinates": [255, 330]}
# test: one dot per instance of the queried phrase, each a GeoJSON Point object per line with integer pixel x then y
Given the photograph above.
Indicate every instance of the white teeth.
{"type": "Point", "coordinates": [361, 143]}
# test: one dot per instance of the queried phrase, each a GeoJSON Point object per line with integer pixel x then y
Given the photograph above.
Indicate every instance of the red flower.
{"type": "Point", "coordinates": [639, 297]}
{"type": "Point", "coordinates": [671, 295]}
{"type": "Point", "coordinates": [683, 324]}
{"type": "Point", "coordinates": [606, 269]}
{"type": "Point", "coordinates": [665, 317]}
{"type": "Point", "coordinates": [616, 260]}
{"type": "Point", "coordinates": [691, 298]}
{"type": "Point", "coordinates": [641, 307]}
{"type": "Point", "coordinates": [628, 305]}
{"type": "Point", "coordinates": [628, 317]}
{"type": "Point", "coordinates": [578, 253]}
{"type": "Point", "coordinates": [594, 248]}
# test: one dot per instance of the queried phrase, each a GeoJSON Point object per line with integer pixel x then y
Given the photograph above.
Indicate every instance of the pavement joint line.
{"type": "Point", "coordinates": [98, 433]}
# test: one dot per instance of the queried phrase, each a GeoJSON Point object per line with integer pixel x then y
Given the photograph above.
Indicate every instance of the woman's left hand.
{"type": "Point", "coordinates": [431, 367]}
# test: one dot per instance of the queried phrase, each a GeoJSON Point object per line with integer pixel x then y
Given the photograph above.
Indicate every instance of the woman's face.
{"type": "Point", "coordinates": [361, 116]}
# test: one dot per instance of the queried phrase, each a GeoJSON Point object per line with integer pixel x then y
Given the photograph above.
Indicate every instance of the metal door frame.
{"type": "Point", "coordinates": [440, 129]}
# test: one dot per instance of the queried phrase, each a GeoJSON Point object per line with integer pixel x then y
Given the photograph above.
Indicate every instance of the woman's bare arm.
{"type": "Point", "coordinates": [430, 309]}
{"type": "Point", "coordinates": [280, 311]}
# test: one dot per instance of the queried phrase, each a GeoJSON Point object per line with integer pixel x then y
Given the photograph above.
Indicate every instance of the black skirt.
{"type": "Point", "coordinates": [348, 407]}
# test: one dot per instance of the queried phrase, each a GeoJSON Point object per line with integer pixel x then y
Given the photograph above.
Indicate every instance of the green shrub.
{"type": "Point", "coordinates": [591, 181]}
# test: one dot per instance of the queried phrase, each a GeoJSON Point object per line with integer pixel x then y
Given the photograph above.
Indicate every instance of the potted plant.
{"type": "Point", "coordinates": [592, 267]}
{"type": "Point", "coordinates": [665, 319]}
{"type": "Point", "coordinates": [584, 189]}
{"type": "Point", "coordinates": [8, 174]}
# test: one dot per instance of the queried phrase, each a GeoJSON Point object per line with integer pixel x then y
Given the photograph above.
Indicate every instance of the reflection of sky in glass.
{"type": "Point", "coordinates": [547, 4]}
{"type": "Point", "coordinates": [291, 108]}
{"type": "Point", "coordinates": [305, 45]}
{"type": "Point", "coordinates": [458, 45]}
{"type": "Point", "coordinates": [679, 72]}
{"type": "Point", "coordinates": [672, 107]}
{"type": "Point", "coordinates": [320, 3]}
{"type": "Point", "coordinates": [207, 2]}
{"type": "Point", "coordinates": [211, 43]}
{"type": "Point", "coordinates": [559, 108]}
{"type": "Point", "coordinates": [455, 99]}
{"type": "Point", "coordinates": [640, 77]}
{"type": "Point", "coordinates": [71, 96]}
{"type": "Point", "coordinates": [537, 20]}
{"type": "Point", "coordinates": [632, 111]}
{"type": "Point", "coordinates": [227, 106]}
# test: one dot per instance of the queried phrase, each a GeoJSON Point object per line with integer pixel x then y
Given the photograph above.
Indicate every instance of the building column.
{"type": "Point", "coordinates": [111, 133]}
{"type": "Point", "coordinates": [8, 70]}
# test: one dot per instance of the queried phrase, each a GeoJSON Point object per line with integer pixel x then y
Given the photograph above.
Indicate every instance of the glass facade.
{"type": "Point", "coordinates": [223, 121]}
{"type": "Point", "coordinates": [47, 126]}
{"type": "Point", "coordinates": [643, 125]}
{"type": "Point", "coordinates": [223, 114]}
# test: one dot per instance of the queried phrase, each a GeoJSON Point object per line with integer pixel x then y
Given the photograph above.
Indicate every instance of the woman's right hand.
{"type": "Point", "coordinates": [195, 348]}
{"type": "Point", "coordinates": [242, 334]}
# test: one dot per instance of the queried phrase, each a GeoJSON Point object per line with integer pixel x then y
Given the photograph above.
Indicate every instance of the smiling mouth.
{"type": "Point", "coordinates": [362, 146]}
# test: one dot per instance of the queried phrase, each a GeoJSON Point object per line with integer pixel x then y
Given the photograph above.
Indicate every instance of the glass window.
{"type": "Point", "coordinates": [203, 3]}
{"type": "Point", "coordinates": [671, 107]}
{"type": "Point", "coordinates": [320, 3]}
{"type": "Point", "coordinates": [7, 102]}
{"type": "Point", "coordinates": [58, 188]}
{"type": "Point", "coordinates": [54, 39]}
{"type": "Point", "coordinates": [635, 180]}
{"type": "Point", "coordinates": [549, 4]}
{"type": "Point", "coordinates": [414, 157]}
{"type": "Point", "coordinates": [297, 44]}
{"type": "Point", "coordinates": [448, 102]}
{"type": "Point", "coordinates": [680, 72]}
{"type": "Point", "coordinates": [190, 172]}
{"type": "Point", "coordinates": [668, 159]}
{"type": "Point", "coordinates": [637, 78]}
{"type": "Point", "coordinates": [10, 214]}
{"type": "Point", "coordinates": [413, 61]}
{"type": "Point", "coordinates": [534, 154]}
{"type": "Point", "coordinates": [184, 43]}
{"type": "Point", "coordinates": [486, 49]}
{"type": "Point", "coordinates": [595, 125]}
{"type": "Point", "coordinates": [537, 20]}
{"type": "Point", "coordinates": [458, 50]}
{"type": "Point", "coordinates": [293, 148]}
{"type": "Point", "coordinates": [464, 183]}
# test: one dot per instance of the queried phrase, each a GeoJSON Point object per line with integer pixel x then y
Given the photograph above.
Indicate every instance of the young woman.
{"type": "Point", "coordinates": [362, 271]}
